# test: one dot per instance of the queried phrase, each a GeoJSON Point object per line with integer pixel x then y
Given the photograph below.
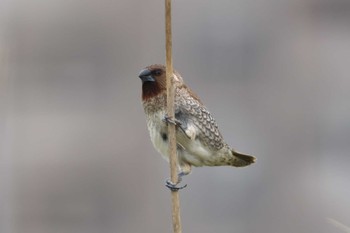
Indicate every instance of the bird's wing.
{"type": "Point", "coordinates": [196, 121]}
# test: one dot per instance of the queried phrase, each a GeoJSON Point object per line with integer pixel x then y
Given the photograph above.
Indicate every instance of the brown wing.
{"type": "Point", "coordinates": [191, 112]}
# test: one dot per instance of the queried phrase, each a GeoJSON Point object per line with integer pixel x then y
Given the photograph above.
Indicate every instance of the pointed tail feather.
{"type": "Point", "coordinates": [242, 160]}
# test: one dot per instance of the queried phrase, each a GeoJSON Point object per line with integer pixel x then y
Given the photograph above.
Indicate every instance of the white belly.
{"type": "Point", "coordinates": [189, 151]}
{"type": "Point", "coordinates": [156, 126]}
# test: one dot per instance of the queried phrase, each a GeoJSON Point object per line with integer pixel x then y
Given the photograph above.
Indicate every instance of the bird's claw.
{"type": "Point", "coordinates": [173, 187]}
{"type": "Point", "coordinates": [168, 120]}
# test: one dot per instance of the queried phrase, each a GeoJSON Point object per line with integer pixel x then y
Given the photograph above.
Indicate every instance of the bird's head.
{"type": "Point", "coordinates": [154, 81]}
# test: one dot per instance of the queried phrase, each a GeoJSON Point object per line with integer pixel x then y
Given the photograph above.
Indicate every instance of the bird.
{"type": "Point", "coordinates": [199, 141]}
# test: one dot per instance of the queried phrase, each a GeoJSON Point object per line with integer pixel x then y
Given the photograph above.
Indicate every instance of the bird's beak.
{"type": "Point", "coordinates": [146, 76]}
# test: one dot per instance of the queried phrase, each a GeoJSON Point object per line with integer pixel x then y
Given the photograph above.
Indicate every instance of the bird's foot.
{"type": "Point", "coordinates": [170, 120]}
{"type": "Point", "coordinates": [174, 186]}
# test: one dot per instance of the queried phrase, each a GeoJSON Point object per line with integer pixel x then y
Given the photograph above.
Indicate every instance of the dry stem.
{"type": "Point", "coordinates": [171, 127]}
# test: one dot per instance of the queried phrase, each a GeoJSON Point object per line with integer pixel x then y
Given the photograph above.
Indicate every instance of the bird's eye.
{"type": "Point", "coordinates": [157, 72]}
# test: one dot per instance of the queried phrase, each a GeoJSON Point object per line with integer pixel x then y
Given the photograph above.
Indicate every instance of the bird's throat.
{"type": "Point", "coordinates": [150, 89]}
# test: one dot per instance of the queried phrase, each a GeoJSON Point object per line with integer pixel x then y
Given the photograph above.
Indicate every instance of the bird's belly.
{"type": "Point", "coordinates": [159, 143]}
{"type": "Point", "coordinates": [157, 128]}
{"type": "Point", "coordinates": [189, 151]}
{"type": "Point", "coordinates": [196, 153]}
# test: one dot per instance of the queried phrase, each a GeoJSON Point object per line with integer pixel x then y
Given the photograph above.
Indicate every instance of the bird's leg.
{"type": "Point", "coordinates": [173, 186]}
{"type": "Point", "coordinates": [177, 123]}
{"type": "Point", "coordinates": [168, 120]}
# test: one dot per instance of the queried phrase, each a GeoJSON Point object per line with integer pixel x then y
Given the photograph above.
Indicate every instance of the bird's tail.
{"type": "Point", "coordinates": [242, 160]}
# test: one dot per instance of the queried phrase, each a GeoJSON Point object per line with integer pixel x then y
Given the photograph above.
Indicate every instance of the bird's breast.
{"type": "Point", "coordinates": [158, 132]}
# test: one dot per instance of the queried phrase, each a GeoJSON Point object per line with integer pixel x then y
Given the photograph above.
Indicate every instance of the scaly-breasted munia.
{"type": "Point", "coordinates": [199, 142]}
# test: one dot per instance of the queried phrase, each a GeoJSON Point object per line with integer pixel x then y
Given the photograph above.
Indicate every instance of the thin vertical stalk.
{"type": "Point", "coordinates": [171, 127]}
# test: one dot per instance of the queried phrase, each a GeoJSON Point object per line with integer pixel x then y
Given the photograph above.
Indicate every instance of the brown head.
{"type": "Point", "coordinates": [153, 81]}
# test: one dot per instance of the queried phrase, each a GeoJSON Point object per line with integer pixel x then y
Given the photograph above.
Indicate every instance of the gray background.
{"type": "Point", "coordinates": [75, 154]}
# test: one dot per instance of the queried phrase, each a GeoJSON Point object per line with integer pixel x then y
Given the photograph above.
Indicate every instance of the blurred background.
{"type": "Point", "coordinates": [75, 154]}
